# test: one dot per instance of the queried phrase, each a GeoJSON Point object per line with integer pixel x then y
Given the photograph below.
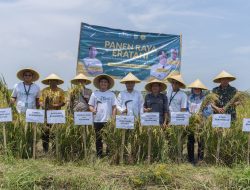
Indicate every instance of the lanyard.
{"type": "Point", "coordinates": [172, 96]}
{"type": "Point", "coordinates": [27, 91]}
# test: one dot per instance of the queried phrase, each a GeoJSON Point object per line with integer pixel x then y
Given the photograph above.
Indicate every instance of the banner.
{"type": "Point", "coordinates": [117, 52]}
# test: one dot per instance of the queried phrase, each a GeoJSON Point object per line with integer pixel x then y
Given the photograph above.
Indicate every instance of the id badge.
{"type": "Point", "coordinates": [26, 104]}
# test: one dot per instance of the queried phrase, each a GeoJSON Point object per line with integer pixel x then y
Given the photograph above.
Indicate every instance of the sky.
{"type": "Point", "coordinates": [44, 34]}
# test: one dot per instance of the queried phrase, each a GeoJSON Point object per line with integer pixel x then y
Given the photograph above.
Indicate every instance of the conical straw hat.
{"type": "Point", "coordinates": [109, 78]}
{"type": "Point", "coordinates": [177, 78]}
{"type": "Point", "coordinates": [35, 76]}
{"type": "Point", "coordinates": [53, 77]}
{"type": "Point", "coordinates": [148, 86]}
{"type": "Point", "coordinates": [222, 75]}
{"type": "Point", "coordinates": [130, 78]}
{"type": "Point", "coordinates": [80, 77]}
{"type": "Point", "coordinates": [197, 84]}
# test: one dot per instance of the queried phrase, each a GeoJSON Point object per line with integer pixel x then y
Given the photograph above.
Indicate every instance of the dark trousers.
{"type": "Point", "coordinates": [190, 148]}
{"type": "Point", "coordinates": [98, 138]}
{"type": "Point", "coordinates": [46, 137]}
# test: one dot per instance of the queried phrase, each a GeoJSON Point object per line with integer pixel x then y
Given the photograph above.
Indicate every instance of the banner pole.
{"type": "Point", "coordinates": [181, 44]}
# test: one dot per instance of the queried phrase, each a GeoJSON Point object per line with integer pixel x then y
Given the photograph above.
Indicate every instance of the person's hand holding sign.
{"type": "Point", "coordinates": [147, 109]}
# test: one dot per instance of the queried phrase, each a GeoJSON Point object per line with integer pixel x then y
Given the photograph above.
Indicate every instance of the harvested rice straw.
{"type": "Point", "coordinates": [211, 98]}
{"type": "Point", "coordinates": [239, 97]}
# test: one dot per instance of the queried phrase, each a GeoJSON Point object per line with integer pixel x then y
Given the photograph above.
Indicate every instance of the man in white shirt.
{"type": "Point", "coordinates": [103, 104]}
{"type": "Point", "coordinates": [176, 97]}
{"type": "Point", "coordinates": [92, 64]}
{"type": "Point", "coordinates": [161, 69]}
{"type": "Point", "coordinates": [130, 101]}
{"type": "Point", "coordinates": [26, 94]}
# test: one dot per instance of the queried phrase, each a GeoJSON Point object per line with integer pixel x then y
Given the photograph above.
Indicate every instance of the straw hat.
{"type": "Point", "coordinates": [53, 77]}
{"type": "Point", "coordinates": [148, 86]}
{"type": "Point", "coordinates": [80, 77]}
{"type": "Point", "coordinates": [197, 84]}
{"type": "Point", "coordinates": [109, 78]}
{"type": "Point", "coordinates": [222, 75]}
{"type": "Point", "coordinates": [21, 72]}
{"type": "Point", "coordinates": [130, 78]}
{"type": "Point", "coordinates": [177, 78]}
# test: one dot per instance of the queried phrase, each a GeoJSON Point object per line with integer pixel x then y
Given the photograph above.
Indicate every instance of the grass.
{"type": "Point", "coordinates": [99, 174]}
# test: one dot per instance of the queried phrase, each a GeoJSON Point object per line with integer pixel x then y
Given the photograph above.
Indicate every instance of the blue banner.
{"type": "Point", "coordinates": [117, 52]}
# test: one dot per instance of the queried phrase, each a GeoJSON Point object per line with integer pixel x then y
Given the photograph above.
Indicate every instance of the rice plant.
{"type": "Point", "coordinates": [76, 143]}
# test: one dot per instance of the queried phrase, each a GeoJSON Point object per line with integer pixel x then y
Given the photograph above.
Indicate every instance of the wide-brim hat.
{"type": "Point", "coordinates": [222, 75]}
{"type": "Point", "coordinates": [148, 86]}
{"type": "Point", "coordinates": [52, 77]}
{"type": "Point", "coordinates": [177, 78]}
{"type": "Point", "coordinates": [35, 76]}
{"type": "Point", "coordinates": [80, 77]}
{"type": "Point", "coordinates": [96, 80]}
{"type": "Point", "coordinates": [197, 84]}
{"type": "Point", "coordinates": [130, 78]}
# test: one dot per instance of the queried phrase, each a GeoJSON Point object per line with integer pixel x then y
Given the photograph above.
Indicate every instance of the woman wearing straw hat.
{"type": "Point", "coordinates": [26, 93]}
{"type": "Point", "coordinates": [130, 101]}
{"type": "Point", "coordinates": [79, 95]}
{"type": "Point", "coordinates": [225, 92]}
{"type": "Point", "coordinates": [176, 97]}
{"type": "Point", "coordinates": [155, 101]}
{"type": "Point", "coordinates": [103, 104]}
{"type": "Point", "coordinates": [52, 98]}
{"type": "Point", "coordinates": [194, 103]}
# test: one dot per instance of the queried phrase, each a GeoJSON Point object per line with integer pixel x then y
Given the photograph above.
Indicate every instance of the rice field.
{"type": "Point", "coordinates": [168, 145]}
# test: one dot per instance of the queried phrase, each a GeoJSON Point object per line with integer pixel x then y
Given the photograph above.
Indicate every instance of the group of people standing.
{"type": "Point", "coordinates": [104, 104]}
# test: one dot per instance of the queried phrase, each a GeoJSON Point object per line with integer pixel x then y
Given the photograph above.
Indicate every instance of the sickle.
{"type": "Point", "coordinates": [98, 102]}
{"type": "Point", "coordinates": [126, 103]}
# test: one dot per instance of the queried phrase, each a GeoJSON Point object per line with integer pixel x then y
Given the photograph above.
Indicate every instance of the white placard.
{"type": "Point", "coordinates": [125, 121]}
{"type": "Point", "coordinates": [246, 125]}
{"type": "Point", "coordinates": [34, 116]}
{"type": "Point", "coordinates": [83, 118]}
{"type": "Point", "coordinates": [180, 118]}
{"type": "Point", "coordinates": [150, 119]}
{"type": "Point", "coordinates": [221, 120]}
{"type": "Point", "coordinates": [55, 116]}
{"type": "Point", "coordinates": [5, 115]}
